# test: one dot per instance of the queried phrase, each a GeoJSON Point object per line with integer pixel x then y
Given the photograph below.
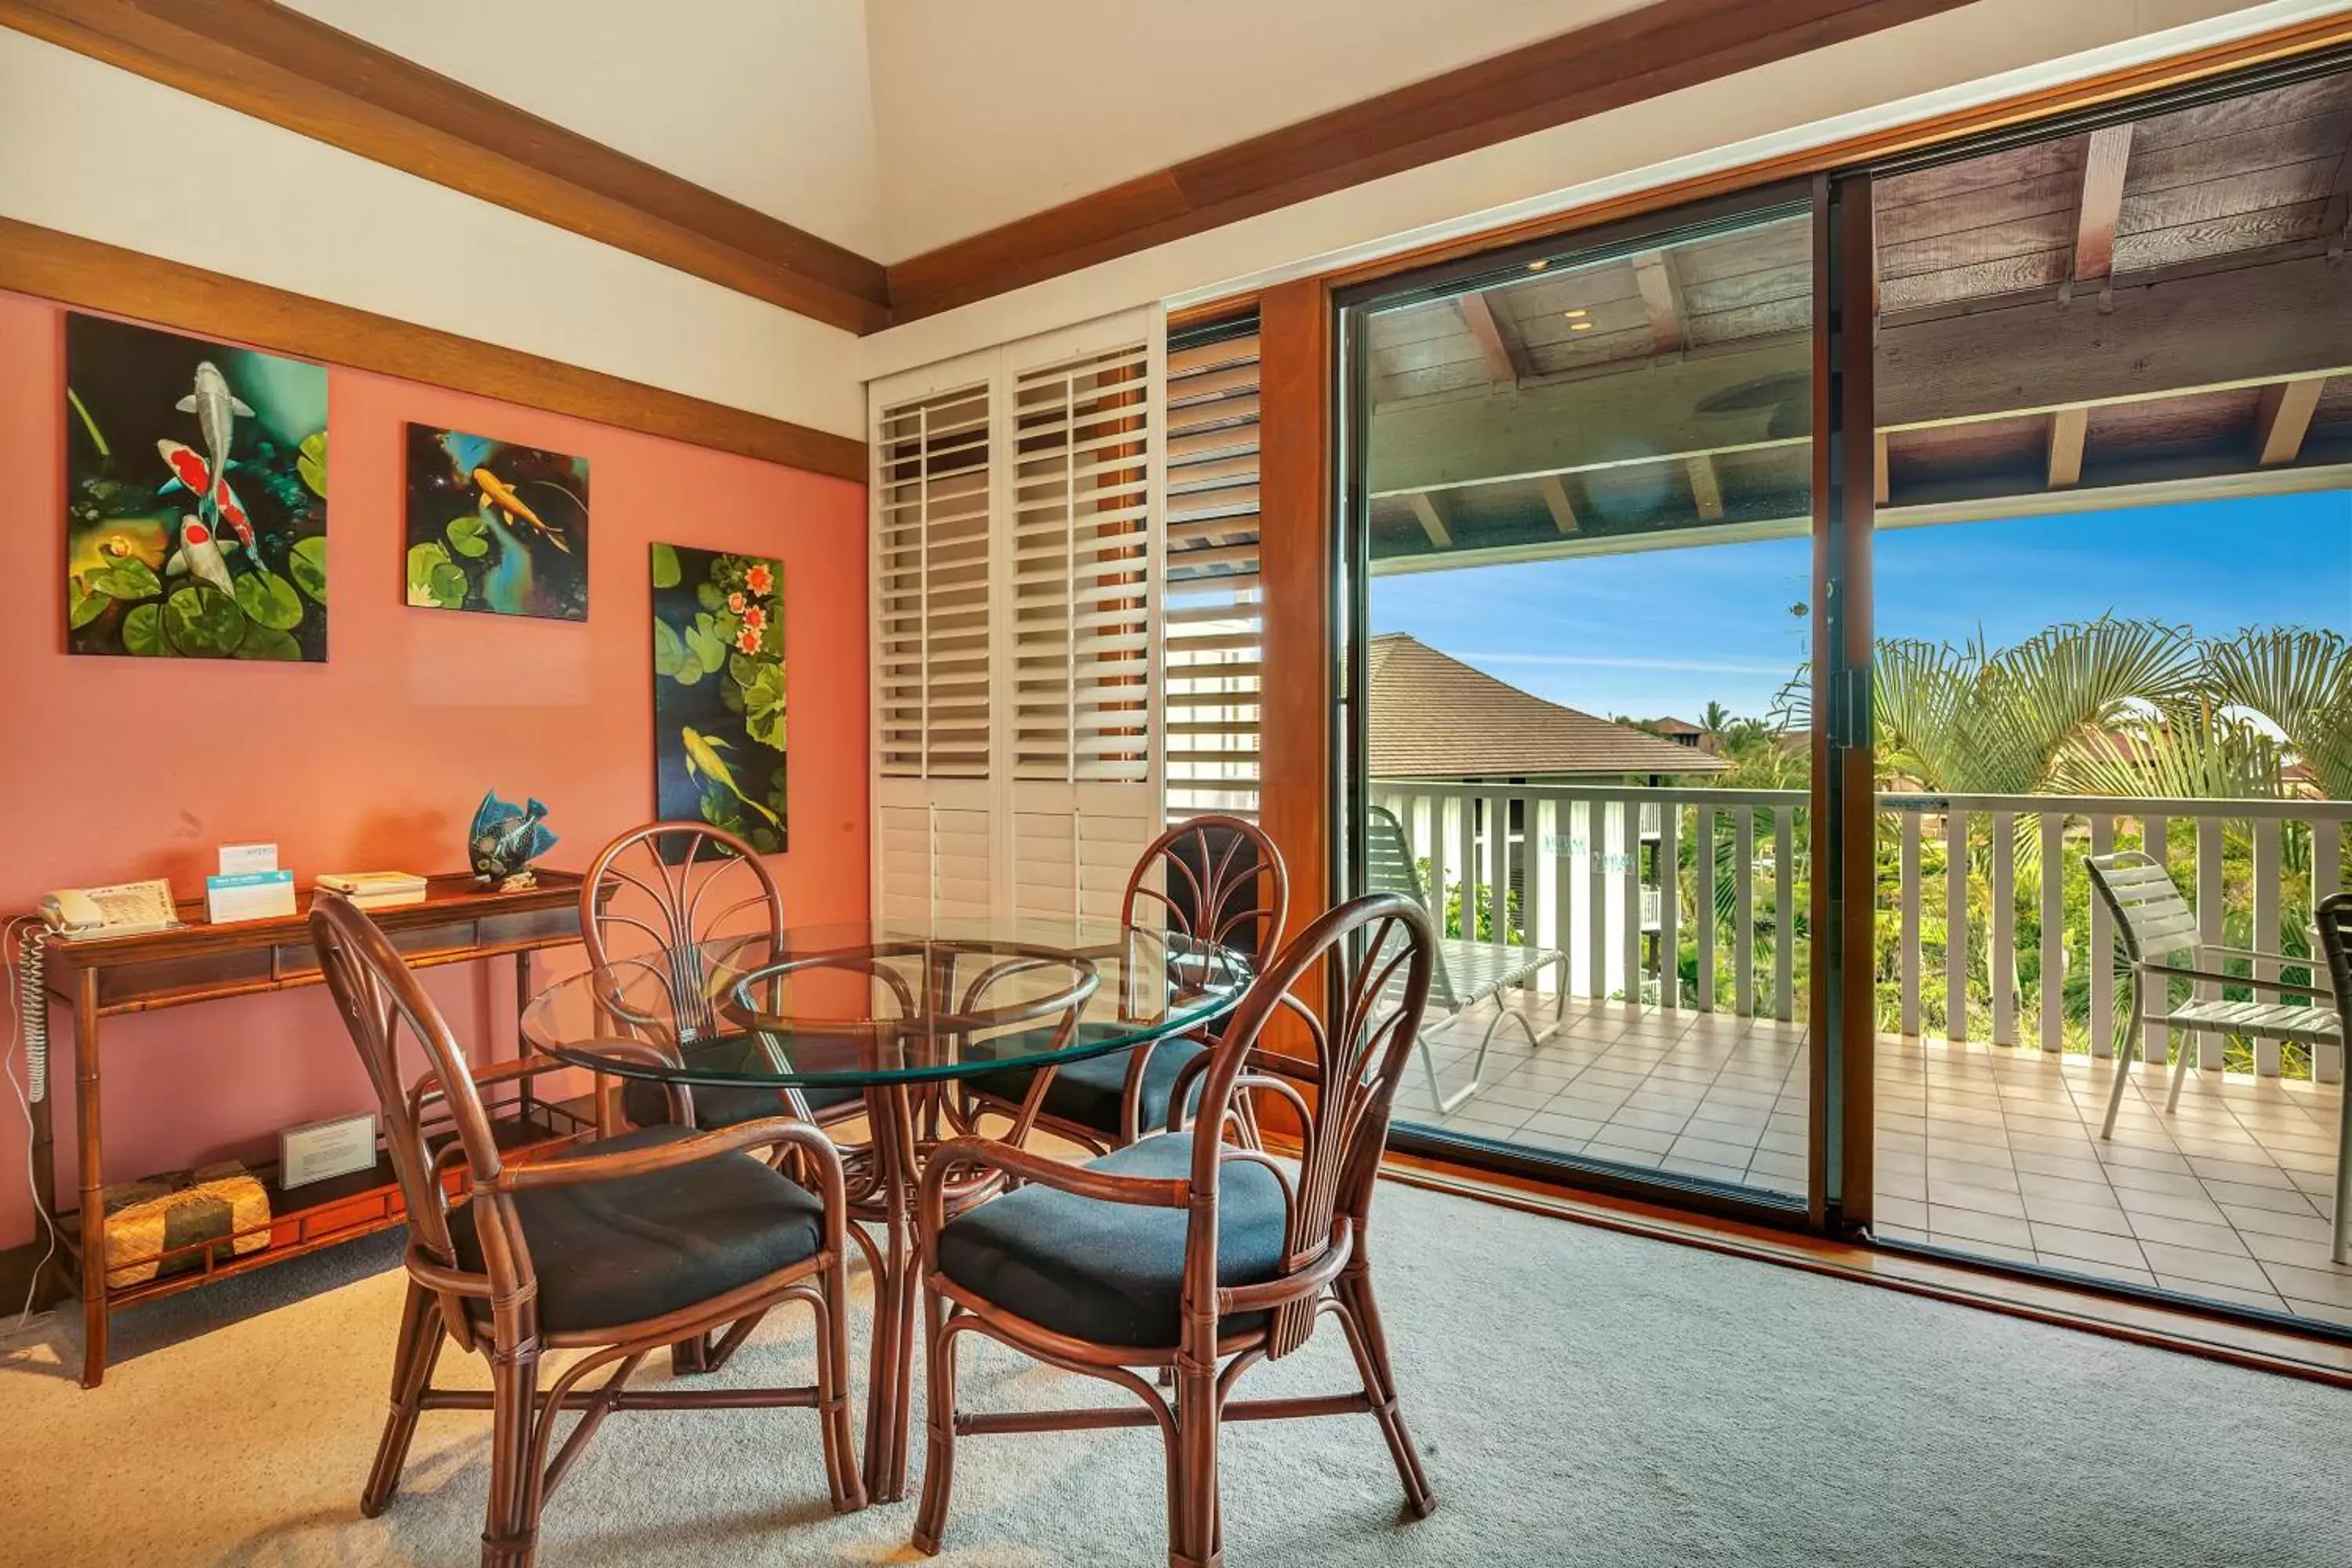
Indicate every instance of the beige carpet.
{"type": "Point", "coordinates": [1582, 1397]}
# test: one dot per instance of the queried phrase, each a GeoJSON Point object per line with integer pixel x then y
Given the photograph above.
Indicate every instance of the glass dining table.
{"type": "Point", "coordinates": [904, 1014]}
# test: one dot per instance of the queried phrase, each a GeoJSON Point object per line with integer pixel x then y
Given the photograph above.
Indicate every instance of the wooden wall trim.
{"type": "Point", "coordinates": [279, 65]}
{"type": "Point", "coordinates": [93, 276]}
{"type": "Point", "coordinates": [1656, 48]}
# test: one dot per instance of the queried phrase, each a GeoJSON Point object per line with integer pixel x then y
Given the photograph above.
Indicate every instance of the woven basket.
{"type": "Point", "coordinates": [149, 1217]}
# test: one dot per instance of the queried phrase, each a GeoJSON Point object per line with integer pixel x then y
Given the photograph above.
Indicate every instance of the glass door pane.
{"type": "Point", "coordinates": [1583, 488]}
{"type": "Point", "coordinates": [2113, 578]}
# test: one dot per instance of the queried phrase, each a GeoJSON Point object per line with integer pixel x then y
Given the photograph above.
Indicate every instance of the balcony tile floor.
{"type": "Point", "coordinates": [1990, 1151]}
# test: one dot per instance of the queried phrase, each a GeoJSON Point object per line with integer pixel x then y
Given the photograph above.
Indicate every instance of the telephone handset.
{"type": "Point", "coordinates": [128, 909]}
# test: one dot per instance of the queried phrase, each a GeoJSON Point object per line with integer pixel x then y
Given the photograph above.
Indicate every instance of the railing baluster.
{"type": "Point", "coordinates": [2327, 877]}
{"type": "Point", "coordinates": [1743, 928]}
{"type": "Point", "coordinates": [2266, 930]}
{"type": "Point", "coordinates": [1629, 890]}
{"type": "Point", "coordinates": [2210, 1047]}
{"type": "Point", "coordinates": [2002, 955]}
{"type": "Point", "coordinates": [2103, 950]}
{"type": "Point", "coordinates": [1466, 846]}
{"type": "Point", "coordinates": [1911, 831]}
{"type": "Point", "coordinates": [1670, 899]}
{"type": "Point", "coordinates": [1563, 894]}
{"type": "Point", "coordinates": [1956, 923]}
{"type": "Point", "coordinates": [2155, 841]}
{"type": "Point", "coordinates": [1596, 893]}
{"type": "Point", "coordinates": [1441, 853]}
{"type": "Point", "coordinates": [1703, 906]}
{"type": "Point", "coordinates": [2054, 931]}
{"type": "Point", "coordinates": [1784, 914]}
{"type": "Point", "coordinates": [1498, 869]}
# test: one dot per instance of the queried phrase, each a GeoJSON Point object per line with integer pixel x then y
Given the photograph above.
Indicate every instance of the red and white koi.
{"type": "Point", "coordinates": [190, 472]}
{"type": "Point", "coordinates": [199, 555]}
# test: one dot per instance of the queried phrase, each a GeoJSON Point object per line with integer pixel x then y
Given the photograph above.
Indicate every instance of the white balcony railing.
{"type": "Point", "coordinates": [1962, 878]}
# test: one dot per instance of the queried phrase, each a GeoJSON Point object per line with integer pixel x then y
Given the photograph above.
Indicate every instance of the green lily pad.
{"type": "Point", "coordinates": [312, 462]}
{"type": "Point", "coordinates": [87, 607]}
{"type": "Point", "coordinates": [469, 536]}
{"type": "Point", "coordinates": [142, 629]}
{"type": "Point", "coordinates": [203, 622]}
{"type": "Point", "coordinates": [268, 600]}
{"type": "Point", "coordinates": [667, 574]}
{"type": "Point", "coordinates": [709, 595]}
{"type": "Point", "coordinates": [434, 580]}
{"type": "Point", "coordinates": [130, 579]}
{"type": "Point", "coordinates": [669, 651]}
{"type": "Point", "coordinates": [709, 650]}
{"type": "Point", "coordinates": [306, 562]}
{"type": "Point", "coordinates": [743, 669]}
{"type": "Point", "coordinates": [763, 705]}
{"type": "Point", "coordinates": [266, 642]}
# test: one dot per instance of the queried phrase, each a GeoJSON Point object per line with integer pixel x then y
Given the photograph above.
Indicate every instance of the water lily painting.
{"type": "Point", "coordinates": [195, 497]}
{"type": "Point", "coordinates": [496, 526]}
{"type": "Point", "coordinates": [719, 692]}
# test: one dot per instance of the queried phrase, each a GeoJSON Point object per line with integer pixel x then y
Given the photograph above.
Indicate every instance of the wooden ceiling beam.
{"type": "Point", "coordinates": [2069, 427]}
{"type": "Point", "coordinates": [1661, 296]}
{"type": "Point", "coordinates": [1556, 501]}
{"type": "Point", "coordinates": [1706, 488]}
{"type": "Point", "coordinates": [2283, 419]}
{"type": "Point", "coordinates": [2106, 160]}
{"type": "Point", "coordinates": [279, 65]}
{"type": "Point", "coordinates": [1478, 315]}
{"type": "Point", "coordinates": [1424, 512]}
{"type": "Point", "coordinates": [1881, 488]}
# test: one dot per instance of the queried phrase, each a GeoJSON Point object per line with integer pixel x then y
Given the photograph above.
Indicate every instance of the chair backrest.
{"type": "Point", "coordinates": [1220, 880]}
{"type": "Point", "coordinates": [378, 995]}
{"type": "Point", "coordinates": [2336, 942]}
{"type": "Point", "coordinates": [2151, 917]}
{"type": "Point", "coordinates": [1391, 867]}
{"type": "Point", "coordinates": [676, 884]}
{"type": "Point", "coordinates": [1378, 949]}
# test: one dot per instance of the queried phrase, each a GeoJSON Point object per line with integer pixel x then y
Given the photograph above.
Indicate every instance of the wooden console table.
{"type": "Point", "coordinates": [459, 922]}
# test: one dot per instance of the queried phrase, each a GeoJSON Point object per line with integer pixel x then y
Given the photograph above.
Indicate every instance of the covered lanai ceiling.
{"type": "Point", "coordinates": [2152, 311]}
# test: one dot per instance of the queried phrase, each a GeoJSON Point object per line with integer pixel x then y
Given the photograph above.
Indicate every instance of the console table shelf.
{"type": "Point", "coordinates": [458, 922]}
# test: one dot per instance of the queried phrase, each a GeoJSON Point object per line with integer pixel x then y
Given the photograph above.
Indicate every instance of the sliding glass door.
{"type": "Point", "coordinates": [1579, 517]}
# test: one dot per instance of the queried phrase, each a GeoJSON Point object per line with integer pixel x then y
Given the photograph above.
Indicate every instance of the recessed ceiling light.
{"type": "Point", "coordinates": [1580, 326]}
{"type": "Point", "coordinates": [1577, 315]}
{"type": "Point", "coordinates": [1537, 266]}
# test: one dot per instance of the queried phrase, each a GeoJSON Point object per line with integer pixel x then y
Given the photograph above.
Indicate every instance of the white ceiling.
{"type": "Point", "coordinates": [894, 126]}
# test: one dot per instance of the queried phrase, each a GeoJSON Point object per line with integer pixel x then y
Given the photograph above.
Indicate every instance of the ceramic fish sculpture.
{"type": "Point", "coordinates": [505, 839]}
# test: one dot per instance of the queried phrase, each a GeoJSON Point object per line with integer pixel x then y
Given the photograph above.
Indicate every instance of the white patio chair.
{"type": "Point", "coordinates": [2336, 942]}
{"type": "Point", "coordinates": [1467, 973]}
{"type": "Point", "coordinates": [2157, 926]}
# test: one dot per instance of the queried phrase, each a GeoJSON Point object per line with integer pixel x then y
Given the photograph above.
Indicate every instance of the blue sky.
{"type": "Point", "coordinates": [1663, 631]}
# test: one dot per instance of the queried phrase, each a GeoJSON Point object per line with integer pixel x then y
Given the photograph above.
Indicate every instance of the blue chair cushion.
{"type": "Point", "coordinates": [646, 1103]}
{"type": "Point", "coordinates": [1113, 1273]}
{"type": "Point", "coordinates": [1089, 1092]}
{"type": "Point", "coordinates": [634, 1247]}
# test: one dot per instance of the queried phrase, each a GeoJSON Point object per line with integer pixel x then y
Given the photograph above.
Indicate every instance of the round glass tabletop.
{"type": "Point", "coordinates": [886, 1002]}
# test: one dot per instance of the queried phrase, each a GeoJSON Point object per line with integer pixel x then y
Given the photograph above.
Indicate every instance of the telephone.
{"type": "Point", "coordinates": [125, 909]}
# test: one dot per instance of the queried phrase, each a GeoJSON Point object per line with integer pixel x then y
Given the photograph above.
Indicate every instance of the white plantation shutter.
{"type": "Point", "coordinates": [1017, 547]}
{"type": "Point", "coordinates": [1214, 612]}
{"type": "Point", "coordinates": [933, 503]}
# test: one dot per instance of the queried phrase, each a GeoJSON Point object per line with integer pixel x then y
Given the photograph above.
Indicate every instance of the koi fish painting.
{"type": "Point", "coordinates": [195, 497]}
{"type": "Point", "coordinates": [496, 526]}
{"type": "Point", "coordinates": [719, 692]}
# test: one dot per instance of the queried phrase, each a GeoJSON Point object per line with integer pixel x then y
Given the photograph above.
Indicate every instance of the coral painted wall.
{"type": "Point", "coordinates": [115, 769]}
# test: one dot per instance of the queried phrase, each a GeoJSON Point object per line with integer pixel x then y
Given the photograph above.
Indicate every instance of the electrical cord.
{"type": "Point", "coordinates": [24, 982]}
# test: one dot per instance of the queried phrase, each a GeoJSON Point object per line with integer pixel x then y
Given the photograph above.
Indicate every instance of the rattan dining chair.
{"type": "Point", "coordinates": [616, 1249]}
{"type": "Point", "coordinates": [661, 891]}
{"type": "Point", "coordinates": [2157, 926]}
{"type": "Point", "coordinates": [1217, 879]}
{"type": "Point", "coordinates": [1182, 1253]}
{"type": "Point", "coordinates": [2336, 942]}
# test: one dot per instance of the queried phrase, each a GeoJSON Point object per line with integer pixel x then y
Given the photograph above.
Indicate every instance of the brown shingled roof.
{"type": "Point", "coordinates": [1435, 717]}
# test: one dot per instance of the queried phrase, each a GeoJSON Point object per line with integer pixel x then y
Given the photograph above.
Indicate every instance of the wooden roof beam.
{"type": "Point", "coordinates": [2285, 419]}
{"type": "Point", "coordinates": [1478, 315]}
{"type": "Point", "coordinates": [1555, 499]}
{"type": "Point", "coordinates": [2102, 203]}
{"type": "Point", "coordinates": [1424, 512]}
{"type": "Point", "coordinates": [2068, 429]}
{"type": "Point", "coordinates": [1706, 488]}
{"type": "Point", "coordinates": [1662, 296]}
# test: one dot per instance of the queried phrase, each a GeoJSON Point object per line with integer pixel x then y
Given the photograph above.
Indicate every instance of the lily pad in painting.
{"type": "Point", "coordinates": [203, 623]}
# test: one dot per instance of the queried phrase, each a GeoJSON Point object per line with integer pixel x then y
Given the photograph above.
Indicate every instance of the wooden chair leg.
{"type": "Point", "coordinates": [511, 1529]}
{"type": "Point", "coordinates": [414, 1353]}
{"type": "Point", "coordinates": [691, 1358]}
{"type": "Point", "coordinates": [839, 1435]}
{"type": "Point", "coordinates": [1192, 1531]}
{"type": "Point", "coordinates": [938, 1409]}
{"type": "Point", "coordinates": [1361, 1318]}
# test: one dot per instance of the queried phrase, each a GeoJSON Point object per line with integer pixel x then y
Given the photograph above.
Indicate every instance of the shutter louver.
{"type": "Point", "coordinates": [1213, 611]}
{"type": "Point", "coordinates": [932, 562]}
